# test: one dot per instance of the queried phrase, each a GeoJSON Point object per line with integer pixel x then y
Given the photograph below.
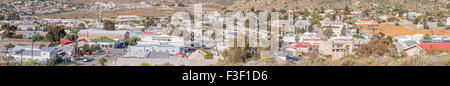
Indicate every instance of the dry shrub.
{"type": "Point", "coordinates": [349, 62]}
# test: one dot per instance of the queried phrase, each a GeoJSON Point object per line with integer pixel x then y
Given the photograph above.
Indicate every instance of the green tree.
{"type": "Point", "coordinates": [425, 26]}
{"type": "Point", "coordinates": [209, 56]}
{"type": "Point", "coordinates": [30, 63]}
{"type": "Point", "coordinates": [102, 61]}
{"type": "Point", "coordinates": [379, 46]}
{"type": "Point", "coordinates": [82, 26]}
{"type": "Point", "coordinates": [416, 20]}
{"type": "Point", "coordinates": [37, 37]}
{"type": "Point", "coordinates": [343, 31]}
{"type": "Point", "coordinates": [55, 34]}
{"type": "Point", "coordinates": [71, 37]}
{"type": "Point", "coordinates": [41, 46]}
{"type": "Point", "coordinates": [13, 16]}
{"type": "Point", "coordinates": [109, 25]}
{"type": "Point", "coordinates": [9, 30]}
{"type": "Point", "coordinates": [9, 45]}
{"type": "Point", "coordinates": [426, 37]}
{"type": "Point", "coordinates": [440, 24]}
{"type": "Point", "coordinates": [346, 10]}
{"type": "Point", "coordinates": [132, 41]}
{"type": "Point", "coordinates": [328, 32]}
{"type": "Point", "coordinates": [357, 36]}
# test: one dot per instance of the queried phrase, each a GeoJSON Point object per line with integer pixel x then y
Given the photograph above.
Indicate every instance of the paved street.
{"type": "Point", "coordinates": [109, 55]}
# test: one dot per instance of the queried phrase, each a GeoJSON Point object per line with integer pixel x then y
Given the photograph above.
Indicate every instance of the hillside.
{"type": "Point", "coordinates": [407, 5]}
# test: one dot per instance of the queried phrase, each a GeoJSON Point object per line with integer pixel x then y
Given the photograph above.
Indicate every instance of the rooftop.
{"type": "Point", "coordinates": [104, 39]}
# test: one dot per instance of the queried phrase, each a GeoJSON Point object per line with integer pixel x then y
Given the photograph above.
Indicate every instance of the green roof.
{"type": "Point", "coordinates": [104, 39]}
{"type": "Point", "coordinates": [410, 43]}
{"type": "Point", "coordinates": [358, 18]}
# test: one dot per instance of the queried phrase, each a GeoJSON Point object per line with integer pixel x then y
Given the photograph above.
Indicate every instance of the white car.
{"type": "Point", "coordinates": [85, 59]}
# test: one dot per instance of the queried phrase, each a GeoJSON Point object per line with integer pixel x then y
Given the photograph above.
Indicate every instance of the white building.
{"type": "Point", "coordinates": [161, 39]}
{"type": "Point", "coordinates": [39, 55]}
{"type": "Point", "coordinates": [448, 21]}
{"type": "Point", "coordinates": [128, 17]}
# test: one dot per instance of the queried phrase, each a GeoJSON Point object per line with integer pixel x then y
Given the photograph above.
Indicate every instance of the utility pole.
{"type": "Point", "coordinates": [32, 47]}
{"type": "Point", "coordinates": [21, 54]}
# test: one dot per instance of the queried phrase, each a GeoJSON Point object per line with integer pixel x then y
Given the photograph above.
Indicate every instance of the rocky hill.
{"type": "Point", "coordinates": [407, 5]}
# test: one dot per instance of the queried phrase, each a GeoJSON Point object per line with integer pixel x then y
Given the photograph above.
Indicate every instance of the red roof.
{"type": "Point", "coordinates": [65, 42]}
{"type": "Point", "coordinates": [180, 53]}
{"type": "Point", "coordinates": [435, 46]}
{"type": "Point", "coordinates": [366, 19]}
{"type": "Point", "coordinates": [83, 40]}
{"type": "Point", "coordinates": [191, 48]}
{"type": "Point", "coordinates": [299, 45]}
{"type": "Point", "coordinates": [353, 15]}
{"type": "Point", "coordinates": [349, 20]}
{"type": "Point", "coordinates": [147, 33]}
{"type": "Point", "coordinates": [311, 39]}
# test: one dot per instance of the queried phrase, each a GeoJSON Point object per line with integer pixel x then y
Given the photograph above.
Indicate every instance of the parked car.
{"type": "Point", "coordinates": [86, 59]}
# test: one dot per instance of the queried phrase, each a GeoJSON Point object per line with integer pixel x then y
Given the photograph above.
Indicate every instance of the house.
{"type": "Point", "coordinates": [171, 49]}
{"type": "Point", "coordinates": [128, 17]}
{"type": "Point", "coordinates": [432, 25]}
{"type": "Point", "coordinates": [338, 48]}
{"type": "Point", "coordinates": [411, 15]}
{"type": "Point", "coordinates": [301, 24]}
{"type": "Point", "coordinates": [198, 54]}
{"type": "Point", "coordinates": [160, 39]}
{"type": "Point", "coordinates": [310, 40]}
{"type": "Point", "coordinates": [448, 21]}
{"type": "Point", "coordinates": [428, 47]}
{"type": "Point", "coordinates": [66, 51]}
{"type": "Point", "coordinates": [103, 42]}
{"type": "Point", "coordinates": [137, 52]}
{"type": "Point", "coordinates": [301, 47]}
{"type": "Point", "coordinates": [289, 40]}
{"type": "Point", "coordinates": [365, 21]}
{"type": "Point", "coordinates": [158, 55]}
{"type": "Point", "coordinates": [434, 47]}
{"type": "Point", "coordinates": [94, 34]}
{"type": "Point", "coordinates": [353, 15]}
{"type": "Point", "coordinates": [383, 17]}
{"type": "Point", "coordinates": [64, 42]}
{"type": "Point", "coordinates": [39, 55]}
{"type": "Point", "coordinates": [408, 46]}
{"type": "Point", "coordinates": [335, 26]}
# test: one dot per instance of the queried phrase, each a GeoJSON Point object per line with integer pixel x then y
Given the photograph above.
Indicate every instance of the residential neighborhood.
{"type": "Point", "coordinates": [150, 33]}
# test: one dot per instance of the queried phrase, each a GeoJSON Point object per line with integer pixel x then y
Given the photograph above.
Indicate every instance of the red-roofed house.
{"type": "Point", "coordinates": [147, 33]}
{"type": "Point", "coordinates": [421, 49]}
{"type": "Point", "coordinates": [180, 54]}
{"type": "Point", "coordinates": [312, 41]}
{"type": "Point", "coordinates": [348, 20]}
{"type": "Point", "coordinates": [83, 40]}
{"type": "Point", "coordinates": [64, 42]}
{"type": "Point", "coordinates": [353, 15]}
{"type": "Point", "coordinates": [435, 47]}
{"type": "Point", "coordinates": [299, 45]}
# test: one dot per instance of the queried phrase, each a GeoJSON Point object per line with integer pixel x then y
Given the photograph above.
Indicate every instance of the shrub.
{"type": "Point", "coordinates": [145, 64]}
{"type": "Point", "coordinates": [209, 56]}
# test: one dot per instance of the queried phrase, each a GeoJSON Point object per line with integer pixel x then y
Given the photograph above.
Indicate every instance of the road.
{"type": "Point", "coordinates": [110, 55]}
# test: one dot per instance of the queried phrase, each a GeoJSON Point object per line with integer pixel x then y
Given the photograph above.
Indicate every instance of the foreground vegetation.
{"type": "Point", "coordinates": [442, 59]}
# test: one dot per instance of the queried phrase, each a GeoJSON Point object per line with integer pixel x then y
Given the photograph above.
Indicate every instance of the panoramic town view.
{"type": "Point", "coordinates": [225, 32]}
